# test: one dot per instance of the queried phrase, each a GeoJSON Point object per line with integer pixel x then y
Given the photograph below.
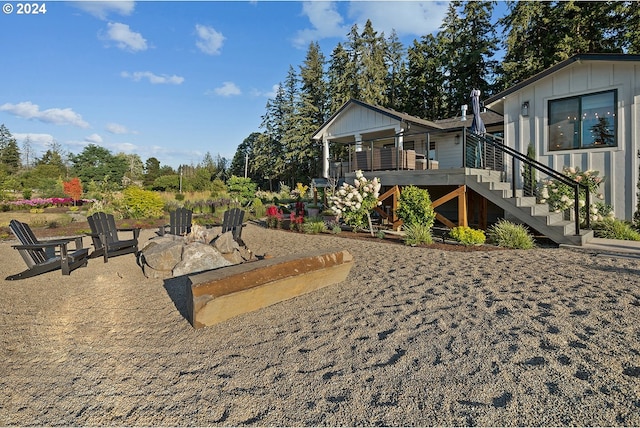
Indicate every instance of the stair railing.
{"type": "Point", "coordinates": [473, 141]}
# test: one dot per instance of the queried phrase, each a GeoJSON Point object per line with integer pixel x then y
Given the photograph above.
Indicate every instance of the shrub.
{"type": "Point", "coordinates": [510, 235]}
{"type": "Point", "coordinates": [179, 196]}
{"type": "Point", "coordinates": [139, 203]}
{"type": "Point", "coordinates": [560, 197]}
{"type": "Point", "coordinates": [611, 228]}
{"type": "Point", "coordinates": [314, 226]}
{"type": "Point", "coordinates": [468, 236]}
{"type": "Point", "coordinates": [414, 207]}
{"type": "Point", "coordinates": [417, 234]}
{"type": "Point", "coordinates": [258, 208]}
{"type": "Point", "coordinates": [354, 203]}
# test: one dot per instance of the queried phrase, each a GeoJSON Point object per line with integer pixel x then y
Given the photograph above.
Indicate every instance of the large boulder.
{"type": "Point", "coordinates": [198, 257]}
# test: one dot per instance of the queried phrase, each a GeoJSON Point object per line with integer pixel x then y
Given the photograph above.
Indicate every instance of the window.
{"type": "Point", "coordinates": [583, 122]}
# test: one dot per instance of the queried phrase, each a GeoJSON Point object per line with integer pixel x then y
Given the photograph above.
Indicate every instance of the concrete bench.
{"type": "Point", "coordinates": [217, 295]}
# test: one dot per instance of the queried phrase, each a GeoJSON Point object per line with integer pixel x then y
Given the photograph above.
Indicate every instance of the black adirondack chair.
{"type": "Point", "coordinates": [179, 222]}
{"type": "Point", "coordinates": [106, 241]}
{"type": "Point", "coordinates": [232, 221]}
{"type": "Point", "coordinates": [46, 256]}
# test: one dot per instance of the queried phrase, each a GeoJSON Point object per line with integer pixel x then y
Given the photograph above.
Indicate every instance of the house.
{"type": "Point", "coordinates": [583, 112]}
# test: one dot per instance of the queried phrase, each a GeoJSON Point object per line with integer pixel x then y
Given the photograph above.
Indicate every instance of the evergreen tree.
{"type": "Point", "coordinates": [425, 79]}
{"type": "Point", "coordinates": [9, 151]}
{"type": "Point", "coordinates": [151, 171]}
{"type": "Point", "coordinates": [338, 83]}
{"type": "Point", "coordinates": [469, 45]}
{"type": "Point", "coordinates": [371, 67]}
{"type": "Point", "coordinates": [396, 90]}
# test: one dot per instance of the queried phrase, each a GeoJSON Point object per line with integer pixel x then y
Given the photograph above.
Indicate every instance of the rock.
{"type": "Point", "coordinates": [226, 244]}
{"type": "Point", "coordinates": [163, 254]}
{"type": "Point", "coordinates": [198, 257]}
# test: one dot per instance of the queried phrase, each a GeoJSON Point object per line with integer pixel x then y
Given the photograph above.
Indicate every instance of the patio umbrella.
{"type": "Point", "coordinates": [477, 126]}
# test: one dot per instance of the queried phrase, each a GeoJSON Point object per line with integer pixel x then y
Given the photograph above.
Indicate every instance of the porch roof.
{"type": "Point", "coordinates": [393, 114]}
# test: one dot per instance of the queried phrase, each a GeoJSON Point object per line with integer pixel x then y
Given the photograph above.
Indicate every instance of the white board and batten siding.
{"type": "Point", "coordinates": [618, 164]}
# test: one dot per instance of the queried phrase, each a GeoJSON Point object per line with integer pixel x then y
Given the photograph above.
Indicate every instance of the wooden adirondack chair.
{"type": "Point", "coordinates": [232, 221]}
{"type": "Point", "coordinates": [106, 241]}
{"type": "Point", "coordinates": [179, 222]}
{"type": "Point", "coordinates": [46, 256]}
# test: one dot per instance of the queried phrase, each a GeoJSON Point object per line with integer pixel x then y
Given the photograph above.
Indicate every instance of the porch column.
{"type": "Point", "coordinates": [325, 157]}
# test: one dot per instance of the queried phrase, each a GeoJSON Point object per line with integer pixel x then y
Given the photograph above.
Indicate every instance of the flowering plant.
{"type": "Point", "coordinates": [355, 202]}
{"type": "Point", "coordinates": [560, 197]}
{"type": "Point", "coordinates": [300, 191]}
{"type": "Point", "coordinates": [296, 221]}
{"type": "Point", "coordinates": [274, 217]}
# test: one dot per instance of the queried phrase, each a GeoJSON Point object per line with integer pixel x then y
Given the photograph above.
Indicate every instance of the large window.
{"type": "Point", "coordinates": [587, 121]}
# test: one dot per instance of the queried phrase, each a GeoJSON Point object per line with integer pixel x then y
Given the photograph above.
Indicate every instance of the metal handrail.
{"type": "Point", "coordinates": [495, 142]}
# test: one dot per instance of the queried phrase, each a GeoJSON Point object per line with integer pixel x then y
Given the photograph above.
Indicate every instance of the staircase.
{"type": "Point", "coordinates": [525, 209]}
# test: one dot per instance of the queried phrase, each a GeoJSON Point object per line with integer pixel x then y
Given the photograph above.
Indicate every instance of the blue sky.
{"type": "Point", "coordinates": [169, 79]}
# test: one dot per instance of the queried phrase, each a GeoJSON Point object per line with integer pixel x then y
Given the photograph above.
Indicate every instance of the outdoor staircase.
{"type": "Point", "coordinates": [525, 209]}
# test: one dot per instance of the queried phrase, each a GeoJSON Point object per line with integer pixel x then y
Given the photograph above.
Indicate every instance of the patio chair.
{"type": "Point", "coordinates": [106, 241]}
{"type": "Point", "coordinates": [232, 221]}
{"type": "Point", "coordinates": [46, 256]}
{"type": "Point", "coordinates": [179, 222]}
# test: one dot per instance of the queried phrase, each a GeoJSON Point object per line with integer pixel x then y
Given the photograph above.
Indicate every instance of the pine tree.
{"type": "Point", "coordinates": [469, 45]}
{"type": "Point", "coordinates": [396, 90]}
{"type": "Point", "coordinates": [372, 68]}
{"type": "Point", "coordinates": [425, 79]}
{"type": "Point", "coordinates": [338, 83]}
{"type": "Point", "coordinates": [9, 151]}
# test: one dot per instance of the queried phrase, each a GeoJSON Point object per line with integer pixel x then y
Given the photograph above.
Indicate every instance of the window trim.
{"type": "Point", "coordinates": [583, 149]}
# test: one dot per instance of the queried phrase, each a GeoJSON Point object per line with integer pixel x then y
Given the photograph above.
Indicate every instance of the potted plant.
{"type": "Point", "coordinates": [313, 210]}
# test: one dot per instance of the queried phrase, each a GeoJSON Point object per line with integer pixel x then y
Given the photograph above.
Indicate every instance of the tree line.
{"type": "Point", "coordinates": [431, 78]}
{"type": "Point", "coordinates": [98, 170]}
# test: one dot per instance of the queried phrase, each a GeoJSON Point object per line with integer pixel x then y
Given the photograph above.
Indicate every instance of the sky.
{"type": "Point", "coordinates": [172, 80]}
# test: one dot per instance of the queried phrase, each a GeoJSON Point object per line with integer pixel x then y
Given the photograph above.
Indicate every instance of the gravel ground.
{"type": "Point", "coordinates": [413, 337]}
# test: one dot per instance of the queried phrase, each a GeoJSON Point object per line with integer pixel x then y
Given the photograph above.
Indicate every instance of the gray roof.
{"type": "Point", "coordinates": [559, 66]}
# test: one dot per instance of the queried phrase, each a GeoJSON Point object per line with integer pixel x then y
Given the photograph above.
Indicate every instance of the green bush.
{"type": "Point", "coordinates": [417, 234]}
{"type": "Point", "coordinates": [179, 196]}
{"type": "Point", "coordinates": [510, 235]}
{"type": "Point", "coordinates": [259, 210]}
{"type": "Point", "coordinates": [414, 207]}
{"type": "Point", "coordinates": [138, 203]}
{"type": "Point", "coordinates": [314, 226]}
{"type": "Point", "coordinates": [612, 228]}
{"type": "Point", "coordinates": [468, 236]}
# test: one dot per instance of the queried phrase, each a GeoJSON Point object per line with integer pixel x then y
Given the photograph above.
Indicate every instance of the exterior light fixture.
{"type": "Point", "coordinates": [524, 109]}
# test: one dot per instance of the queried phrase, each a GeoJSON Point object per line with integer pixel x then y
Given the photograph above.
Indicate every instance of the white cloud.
{"type": "Point", "coordinates": [153, 78]}
{"type": "Point", "coordinates": [209, 40]}
{"type": "Point", "coordinates": [227, 89]}
{"type": "Point", "coordinates": [57, 116]}
{"type": "Point", "coordinates": [269, 94]}
{"type": "Point", "coordinates": [325, 20]}
{"type": "Point", "coordinates": [93, 138]}
{"type": "Point", "coordinates": [125, 38]}
{"type": "Point", "coordinates": [116, 128]}
{"type": "Point", "coordinates": [406, 17]}
{"type": "Point", "coordinates": [100, 9]}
